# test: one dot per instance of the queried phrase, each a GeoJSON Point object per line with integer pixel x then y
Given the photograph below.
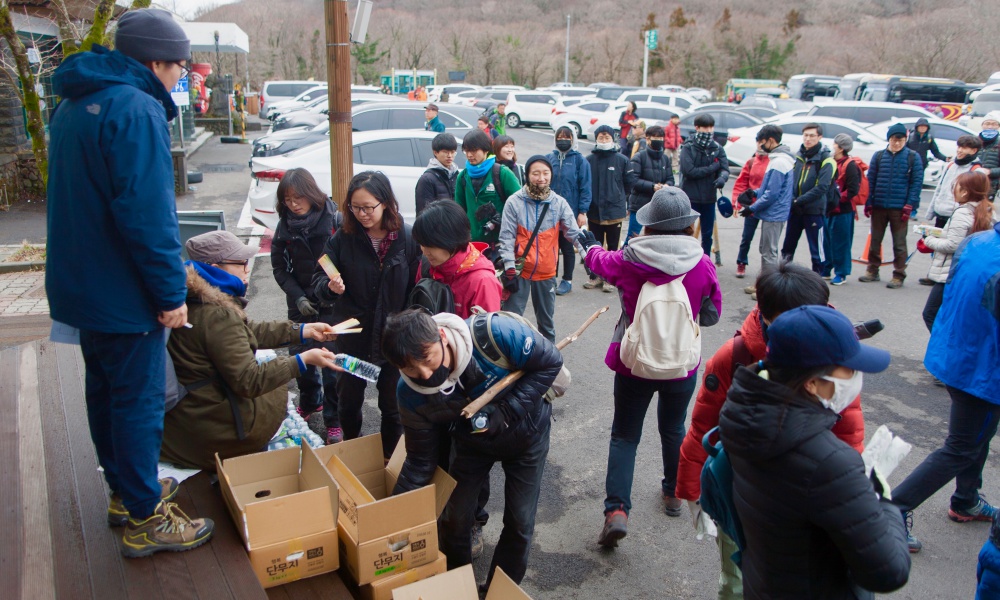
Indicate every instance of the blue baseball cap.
{"type": "Point", "coordinates": [816, 336]}
{"type": "Point", "coordinates": [725, 206]}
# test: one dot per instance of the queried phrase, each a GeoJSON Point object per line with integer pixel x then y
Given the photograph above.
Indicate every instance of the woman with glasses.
{"type": "Point", "coordinates": [378, 261]}
{"type": "Point", "coordinates": [306, 221]}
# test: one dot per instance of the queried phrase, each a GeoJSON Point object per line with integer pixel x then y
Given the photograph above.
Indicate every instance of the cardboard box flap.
{"type": "Point", "coordinates": [258, 467]}
{"type": "Point", "coordinates": [352, 494]}
{"type": "Point", "coordinates": [361, 455]}
{"type": "Point", "coordinates": [503, 588]}
{"type": "Point", "coordinates": [315, 475]}
{"type": "Point", "coordinates": [287, 517]}
{"type": "Point", "coordinates": [444, 484]}
{"type": "Point", "coordinates": [457, 584]}
{"type": "Point", "coordinates": [395, 514]}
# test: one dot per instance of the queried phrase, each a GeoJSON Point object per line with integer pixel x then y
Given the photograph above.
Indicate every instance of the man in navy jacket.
{"type": "Point", "coordinates": [113, 268]}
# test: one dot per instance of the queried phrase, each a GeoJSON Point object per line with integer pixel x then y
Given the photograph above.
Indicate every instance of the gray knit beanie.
{"type": "Point", "coordinates": [149, 34]}
{"type": "Point", "coordinates": [845, 142]}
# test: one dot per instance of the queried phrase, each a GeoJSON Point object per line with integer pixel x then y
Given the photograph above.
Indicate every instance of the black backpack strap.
{"type": "Point", "coordinates": [483, 341]}
{"type": "Point", "coordinates": [538, 225]}
{"type": "Point", "coordinates": [497, 182]}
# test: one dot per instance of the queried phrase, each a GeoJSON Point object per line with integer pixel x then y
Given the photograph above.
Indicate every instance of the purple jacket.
{"type": "Point", "coordinates": [659, 259]}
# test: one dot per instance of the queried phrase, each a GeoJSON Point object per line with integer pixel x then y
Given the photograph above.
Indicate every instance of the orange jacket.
{"type": "Point", "coordinates": [712, 394]}
{"type": "Point", "coordinates": [751, 177]}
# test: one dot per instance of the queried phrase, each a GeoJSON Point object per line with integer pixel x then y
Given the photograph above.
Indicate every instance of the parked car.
{"type": "Point", "coordinates": [725, 120]}
{"type": "Point", "coordinates": [570, 92]}
{"type": "Point", "coordinates": [578, 116]}
{"type": "Point", "coordinates": [758, 111]}
{"type": "Point", "coordinates": [434, 91]}
{"type": "Point", "coordinates": [945, 132]}
{"type": "Point", "coordinates": [463, 98]}
{"type": "Point", "coordinates": [310, 95]}
{"type": "Point", "coordinates": [869, 112]}
{"type": "Point", "coordinates": [406, 114]}
{"type": "Point", "coordinates": [612, 91]}
{"type": "Point", "coordinates": [986, 101]}
{"type": "Point", "coordinates": [651, 113]}
{"type": "Point", "coordinates": [700, 94]}
{"type": "Point", "coordinates": [289, 140]}
{"type": "Point", "coordinates": [506, 88]}
{"type": "Point", "coordinates": [529, 108]}
{"type": "Point", "coordinates": [743, 141]}
{"type": "Point", "coordinates": [481, 95]}
{"type": "Point", "coordinates": [316, 111]}
{"type": "Point", "coordinates": [779, 105]}
{"type": "Point", "coordinates": [278, 91]}
{"type": "Point", "coordinates": [671, 88]}
{"type": "Point", "coordinates": [401, 154]}
{"type": "Point", "coordinates": [679, 100]}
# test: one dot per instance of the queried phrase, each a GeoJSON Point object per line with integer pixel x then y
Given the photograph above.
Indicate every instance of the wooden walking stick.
{"type": "Point", "coordinates": [488, 396]}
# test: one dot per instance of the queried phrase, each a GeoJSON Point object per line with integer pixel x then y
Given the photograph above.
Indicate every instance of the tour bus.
{"type": "Point", "coordinates": [807, 87]}
{"type": "Point", "coordinates": [748, 86]}
{"type": "Point", "coordinates": [848, 86]}
{"type": "Point", "coordinates": [942, 97]}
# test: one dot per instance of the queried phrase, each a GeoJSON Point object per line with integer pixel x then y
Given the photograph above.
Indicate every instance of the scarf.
{"type": "Point", "coordinates": [482, 169]}
{"type": "Point", "coordinates": [460, 338]}
{"type": "Point", "coordinates": [966, 160]}
{"type": "Point", "coordinates": [538, 192]}
{"type": "Point", "coordinates": [305, 224]}
{"type": "Point", "coordinates": [217, 278]}
{"type": "Point", "coordinates": [810, 152]}
{"type": "Point", "coordinates": [702, 139]}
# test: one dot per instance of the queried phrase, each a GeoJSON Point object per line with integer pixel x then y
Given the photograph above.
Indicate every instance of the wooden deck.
{"type": "Point", "coordinates": [53, 505]}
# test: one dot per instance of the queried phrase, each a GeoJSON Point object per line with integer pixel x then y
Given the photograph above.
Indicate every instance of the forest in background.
{"type": "Point", "coordinates": [701, 43]}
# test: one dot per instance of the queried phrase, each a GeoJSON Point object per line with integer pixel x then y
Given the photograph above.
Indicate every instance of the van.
{"type": "Point", "coordinates": [275, 91]}
{"type": "Point", "coordinates": [869, 112]}
{"type": "Point", "coordinates": [529, 108]}
{"type": "Point", "coordinates": [681, 100]}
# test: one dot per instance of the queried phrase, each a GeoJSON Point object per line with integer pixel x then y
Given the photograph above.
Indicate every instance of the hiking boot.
{"type": "Point", "coordinates": [118, 514]}
{"type": "Point", "coordinates": [334, 435]}
{"type": "Point", "coordinates": [741, 270]}
{"type": "Point", "coordinates": [925, 281]}
{"type": "Point", "coordinates": [838, 280]}
{"type": "Point", "coordinates": [827, 276]}
{"type": "Point", "coordinates": [477, 541]}
{"type": "Point", "coordinates": [305, 415]}
{"type": "Point", "coordinates": [608, 288]}
{"type": "Point", "coordinates": [869, 277]}
{"type": "Point", "coordinates": [615, 528]}
{"type": "Point", "coordinates": [718, 258]}
{"type": "Point", "coordinates": [564, 288]}
{"type": "Point", "coordinates": [982, 511]}
{"type": "Point", "coordinates": [895, 284]}
{"type": "Point", "coordinates": [750, 290]}
{"type": "Point", "coordinates": [912, 543]}
{"type": "Point", "coordinates": [168, 528]}
{"type": "Point", "coordinates": [753, 296]}
{"type": "Point", "coordinates": [672, 506]}
{"type": "Point", "coordinates": [593, 283]}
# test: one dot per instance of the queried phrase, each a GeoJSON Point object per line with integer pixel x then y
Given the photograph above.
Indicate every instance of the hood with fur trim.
{"type": "Point", "coordinates": [202, 292]}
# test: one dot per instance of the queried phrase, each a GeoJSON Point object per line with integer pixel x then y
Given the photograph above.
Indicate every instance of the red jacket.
{"type": "Point", "coordinates": [751, 177]}
{"type": "Point", "coordinates": [472, 280]}
{"type": "Point", "coordinates": [850, 428]}
{"type": "Point", "coordinates": [671, 136]}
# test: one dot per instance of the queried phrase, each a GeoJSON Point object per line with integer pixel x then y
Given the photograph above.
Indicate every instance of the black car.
{"type": "Point", "coordinates": [725, 120]}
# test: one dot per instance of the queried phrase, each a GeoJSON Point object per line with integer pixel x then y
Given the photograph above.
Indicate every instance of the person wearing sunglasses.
{"type": "Point", "coordinates": [378, 262]}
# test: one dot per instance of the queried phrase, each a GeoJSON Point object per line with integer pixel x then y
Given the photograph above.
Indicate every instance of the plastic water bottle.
{"type": "Point", "coordinates": [358, 367]}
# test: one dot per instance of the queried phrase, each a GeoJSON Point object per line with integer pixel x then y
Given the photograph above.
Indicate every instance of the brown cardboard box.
{"type": "Point", "coordinates": [460, 584]}
{"type": "Point", "coordinates": [381, 534]}
{"type": "Point", "coordinates": [381, 589]}
{"type": "Point", "coordinates": [286, 515]}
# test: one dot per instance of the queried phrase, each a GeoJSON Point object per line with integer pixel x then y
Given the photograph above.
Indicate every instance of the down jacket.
{"type": "Point", "coordinates": [955, 230]}
{"type": "Point", "coordinates": [988, 572]}
{"type": "Point", "coordinates": [700, 169]}
{"type": "Point", "coordinates": [943, 201]}
{"type": "Point", "coordinates": [814, 526]}
{"type": "Point", "coordinates": [850, 428]}
{"type": "Point", "coordinates": [436, 183]}
{"type": "Point", "coordinates": [472, 279]}
{"type": "Point", "coordinates": [892, 182]}
{"type": "Point", "coordinates": [294, 256]}
{"type": "Point", "coordinates": [220, 346]}
{"type": "Point", "coordinates": [989, 155]}
{"type": "Point", "coordinates": [427, 418]}
{"type": "Point", "coordinates": [612, 176]}
{"type": "Point", "coordinates": [650, 167]}
{"type": "Point", "coordinates": [373, 290]}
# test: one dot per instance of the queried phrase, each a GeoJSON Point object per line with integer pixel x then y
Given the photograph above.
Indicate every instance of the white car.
{"type": "Point", "coordinates": [319, 91]}
{"type": "Point", "coordinates": [529, 108]}
{"type": "Point", "coordinates": [651, 113]}
{"type": "Point", "coordinates": [869, 112]}
{"type": "Point", "coordinates": [578, 115]}
{"type": "Point", "coordinates": [463, 98]}
{"type": "Point", "coordinates": [401, 154]}
{"type": "Point", "coordinates": [700, 94]}
{"type": "Point", "coordinates": [679, 100]}
{"type": "Point", "coordinates": [434, 91]}
{"type": "Point", "coordinates": [946, 133]}
{"type": "Point", "coordinates": [743, 141]}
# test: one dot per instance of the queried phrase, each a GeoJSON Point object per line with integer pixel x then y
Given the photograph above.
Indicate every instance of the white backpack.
{"type": "Point", "coordinates": [664, 340]}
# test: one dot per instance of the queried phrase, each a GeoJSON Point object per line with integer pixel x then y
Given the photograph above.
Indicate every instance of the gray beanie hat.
{"type": "Point", "coordinates": [149, 34]}
{"type": "Point", "coordinates": [845, 142]}
{"type": "Point", "coordinates": [669, 210]}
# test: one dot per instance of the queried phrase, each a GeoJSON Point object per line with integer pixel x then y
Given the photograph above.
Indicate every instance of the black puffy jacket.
{"type": "Point", "coordinates": [813, 176]}
{"type": "Point", "coordinates": [814, 527]}
{"type": "Point", "coordinates": [436, 183]}
{"type": "Point", "coordinates": [700, 169]}
{"type": "Point", "coordinates": [650, 167]}
{"type": "Point", "coordinates": [294, 256]}
{"type": "Point", "coordinates": [989, 155]}
{"type": "Point", "coordinates": [611, 178]}
{"type": "Point", "coordinates": [922, 144]}
{"type": "Point", "coordinates": [373, 290]}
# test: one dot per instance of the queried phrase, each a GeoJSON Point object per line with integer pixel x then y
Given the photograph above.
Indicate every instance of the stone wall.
{"type": "Point", "coordinates": [13, 137]}
{"type": "Point", "coordinates": [19, 178]}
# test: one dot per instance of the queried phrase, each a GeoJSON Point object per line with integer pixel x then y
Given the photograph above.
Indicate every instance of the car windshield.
{"type": "Point", "coordinates": [985, 103]}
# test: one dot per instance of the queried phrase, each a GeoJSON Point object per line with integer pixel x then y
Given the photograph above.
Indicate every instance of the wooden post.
{"type": "Point", "coordinates": [338, 72]}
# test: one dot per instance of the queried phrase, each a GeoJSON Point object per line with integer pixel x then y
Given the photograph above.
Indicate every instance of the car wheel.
{"type": "Point", "coordinates": [513, 120]}
{"type": "Point", "coordinates": [578, 130]}
{"type": "Point", "coordinates": [195, 177]}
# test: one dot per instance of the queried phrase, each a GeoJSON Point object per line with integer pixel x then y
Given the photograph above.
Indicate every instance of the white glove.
{"type": "Point", "coordinates": [703, 524]}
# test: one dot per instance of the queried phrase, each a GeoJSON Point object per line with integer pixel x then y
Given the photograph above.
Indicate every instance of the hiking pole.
{"type": "Point", "coordinates": [488, 396]}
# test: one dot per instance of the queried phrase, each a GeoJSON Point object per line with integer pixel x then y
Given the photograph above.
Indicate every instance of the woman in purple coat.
{"type": "Point", "coordinates": [665, 251]}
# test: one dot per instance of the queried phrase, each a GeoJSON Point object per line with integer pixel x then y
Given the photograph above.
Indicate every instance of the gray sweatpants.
{"type": "Point", "coordinates": [543, 301]}
{"type": "Point", "coordinates": [770, 236]}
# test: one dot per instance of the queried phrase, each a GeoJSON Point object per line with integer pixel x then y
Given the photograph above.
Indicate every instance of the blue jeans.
{"type": "Point", "coordinates": [707, 211]}
{"type": "Point", "coordinates": [632, 398]}
{"type": "Point", "coordinates": [813, 226]}
{"type": "Point", "coordinates": [543, 300]}
{"type": "Point", "coordinates": [522, 485]}
{"type": "Point", "coordinates": [126, 377]}
{"type": "Point", "coordinates": [837, 244]}
{"type": "Point", "coordinates": [971, 427]}
{"type": "Point", "coordinates": [749, 229]}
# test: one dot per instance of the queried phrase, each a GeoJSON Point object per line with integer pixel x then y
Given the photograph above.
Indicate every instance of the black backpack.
{"type": "Point", "coordinates": [430, 293]}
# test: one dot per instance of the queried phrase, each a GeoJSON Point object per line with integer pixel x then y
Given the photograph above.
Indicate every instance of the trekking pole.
{"type": "Point", "coordinates": [488, 396]}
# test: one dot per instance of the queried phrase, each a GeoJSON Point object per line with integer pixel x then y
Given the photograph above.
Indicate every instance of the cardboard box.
{"type": "Point", "coordinates": [381, 534]}
{"type": "Point", "coordinates": [381, 589]}
{"type": "Point", "coordinates": [286, 515]}
{"type": "Point", "coordinates": [460, 584]}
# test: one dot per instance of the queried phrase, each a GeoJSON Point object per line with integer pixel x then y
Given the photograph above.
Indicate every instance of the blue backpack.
{"type": "Point", "coordinates": [717, 493]}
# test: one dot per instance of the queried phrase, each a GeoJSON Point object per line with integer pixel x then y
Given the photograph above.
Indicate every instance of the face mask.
{"type": "Point", "coordinates": [844, 392]}
{"type": "Point", "coordinates": [538, 192]}
{"type": "Point", "coordinates": [702, 138]}
{"type": "Point", "coordinates": [438, 377]}
{"type": "Point", "coordinates": [656, 145]}
{"type": "Point", "coordinates": [965, 160]}
{"type": "Point", "coordinates": [564, 145]}
{"type": "Point", "coordinates": [988, 134]}
{"type": "Point", "coordinates": [607, 146]}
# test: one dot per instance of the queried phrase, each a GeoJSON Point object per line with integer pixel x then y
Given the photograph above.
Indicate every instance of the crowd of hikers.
{"type": "Point", "coordinates": [772, 460]}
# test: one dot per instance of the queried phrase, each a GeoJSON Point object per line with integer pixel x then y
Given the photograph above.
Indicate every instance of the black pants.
{"type": "Point", "coordinates": [934, 300]}
{"type": "Point", "coordinates": [569, 257]}
{"type": "Point", "coordinates": [609, 234]}
{"type": "Point", "coordinates": [351, 390]}
{"type": "Point", "coordinates": [940, 221]}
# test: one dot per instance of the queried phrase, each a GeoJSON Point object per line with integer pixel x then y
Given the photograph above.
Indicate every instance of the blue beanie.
{"type": "Point", "coordinates": [534, 159]}
{"type": "Point", "coordinates": [896, 129]}
{"type": "Point", "coordinates": [604, 129]}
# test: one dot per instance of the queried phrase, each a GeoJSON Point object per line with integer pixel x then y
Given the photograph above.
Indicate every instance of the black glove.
{"type": "Point", "coordinates": [497, 422]}
{"type": "Point", "coordinates": [486, 213]}
{"type": "Point", "coordinates": [511, 281]}
{"type": "Point", "coordinates": [797, 207]}
{"type": "Point", "coordinates": [747, 198]}
{"type": "Point", "coordinates": [720, 183]}
{"type": "Point", "coordinates": [306, 308]}
{"type": "Point", "coordinates": [746, 212]}
{"type": "Point", "coordinates": [587, 239]}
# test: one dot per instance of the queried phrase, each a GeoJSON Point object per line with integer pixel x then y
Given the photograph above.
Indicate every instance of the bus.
{"type": "Point", "coordinates": [943, 97]}
{"type": "Point", "coordinates": [848, 86]}
{"type": "Point", "coordinates": [807, 87]}
{"type": "Point", "coordinates": [748, 86]}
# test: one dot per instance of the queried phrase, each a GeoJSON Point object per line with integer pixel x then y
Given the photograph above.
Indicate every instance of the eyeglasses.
{"type": "Point", "coordinates": [184, 70]}
{"type": "Point", "coordinates": [810, 135]}
{"type": "Point", "coordinates": [364, 210]}
{"type": "Point", "coordinates": [242, 263]}
{"type": "Point", "coordinates": [291, 200]}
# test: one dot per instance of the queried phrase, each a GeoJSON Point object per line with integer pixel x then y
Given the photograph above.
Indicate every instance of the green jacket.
{"type": "Point", "coordinates": [468, 199]}
{"type": "Point", "coordinates": [499, 122]}
{"type": "Point", "coordinates": [220, 345]}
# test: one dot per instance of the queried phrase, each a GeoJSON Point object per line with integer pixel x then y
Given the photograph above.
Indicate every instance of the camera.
{"type": "Point", "coordinates": [867, 329]}
{"type": "Point", "coordinates": [493, 223]}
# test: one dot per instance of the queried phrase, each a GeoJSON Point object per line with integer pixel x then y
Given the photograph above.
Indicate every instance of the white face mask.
{"type": "Point", "coordinates": [607, 146]}
{"type": "Point", "coordinates": [845, 391]}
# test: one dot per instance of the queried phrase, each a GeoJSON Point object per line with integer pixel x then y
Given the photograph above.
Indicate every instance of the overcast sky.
{"type": "Point", "coordinates": [188, 8]}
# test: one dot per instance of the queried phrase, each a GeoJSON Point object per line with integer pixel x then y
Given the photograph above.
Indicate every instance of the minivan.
{"type": "Point", "coordinates": [529, 108]}
{"type": "Point", "coordinates": [869, 112]}
{"type": "Point", "coordinates": [275, 91]}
